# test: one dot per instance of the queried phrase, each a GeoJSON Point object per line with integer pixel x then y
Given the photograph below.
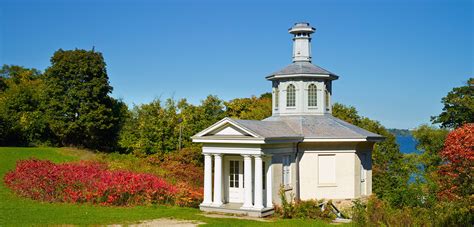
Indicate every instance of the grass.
{"type": "Point", "coordinates": [20, 211]}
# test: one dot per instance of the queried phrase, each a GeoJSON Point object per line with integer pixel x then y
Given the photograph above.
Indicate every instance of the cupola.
{"type": "Point", "coordinates": [302, 88]}
{"type": "Point", "coordinates": [301, 41]}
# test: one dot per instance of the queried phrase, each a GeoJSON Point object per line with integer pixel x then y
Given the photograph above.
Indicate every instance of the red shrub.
{"type": "Point", "coordinates": [188, 195]}
{"type": "Point", "coordinates": [457, 172]}
{"type": "Point", "coordinates": [185, 168]}
{"type": "Point", "coordinates": [87, 182]}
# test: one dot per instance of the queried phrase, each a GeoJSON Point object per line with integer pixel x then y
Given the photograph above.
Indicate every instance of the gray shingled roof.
{"type": "Point", "coordinates": [322, 127]}
{"type": "Point", "coordinates": [302, 68]}
{"type": "Point", "coordinates": [307, 127]}
{"type": "Point", "coordinates": [301, 127]}
{"type": "Point", "coordinates": [268, 129]}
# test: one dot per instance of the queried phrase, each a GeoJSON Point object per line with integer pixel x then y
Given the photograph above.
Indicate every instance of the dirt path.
{"type": "Point", "coordinates": [162, 222]}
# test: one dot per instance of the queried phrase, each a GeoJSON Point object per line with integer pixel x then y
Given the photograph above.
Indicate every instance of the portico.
{"type": "Point", "coordinates": [241, 181]}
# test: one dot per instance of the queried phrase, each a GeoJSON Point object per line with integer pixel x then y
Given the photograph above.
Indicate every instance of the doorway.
{"type": "Point", "coordinates": [235, 180]}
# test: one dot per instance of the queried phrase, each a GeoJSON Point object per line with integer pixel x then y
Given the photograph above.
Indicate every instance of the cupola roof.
{"type": "Point", "coordinates": [302, 69]}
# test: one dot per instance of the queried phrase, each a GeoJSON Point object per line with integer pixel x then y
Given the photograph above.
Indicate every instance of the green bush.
{"type": "Point", "coordinates": [359, 214]}
{"type": "Point", "coordinates": [309, 209]}
{"type": "Point", "coordinates": [377, 212]}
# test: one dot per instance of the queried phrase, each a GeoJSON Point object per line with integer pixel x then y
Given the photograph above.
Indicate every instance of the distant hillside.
{"type": "Point", "coordinates": [399, 132]}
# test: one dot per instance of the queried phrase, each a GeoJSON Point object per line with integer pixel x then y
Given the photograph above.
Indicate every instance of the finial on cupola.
{"type": "Point", "coordinates": [301, 41]}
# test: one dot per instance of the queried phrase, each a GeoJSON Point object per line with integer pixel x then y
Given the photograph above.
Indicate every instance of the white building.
{"type": "Point", "coordinates": [301, 147]}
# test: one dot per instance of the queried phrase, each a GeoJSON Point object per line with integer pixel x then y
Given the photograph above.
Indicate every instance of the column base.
{"type": "Point", "coordinates": [236, 210]}
{"type": "Point", "coordinates": [216, 204]}
{"type": "Point", "coordinates": [258, 208]}
{"type": "Point", "coordinates": [205, 204]}
{"type": "Point", "coordinates": [247, 207]}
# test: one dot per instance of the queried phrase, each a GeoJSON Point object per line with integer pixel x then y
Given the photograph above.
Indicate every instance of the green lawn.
{"type": "Point", "coordinates": [20, 211]}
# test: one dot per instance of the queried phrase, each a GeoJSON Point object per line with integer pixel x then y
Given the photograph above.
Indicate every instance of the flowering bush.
{"type": "Point", "coordinates": [88, 182]}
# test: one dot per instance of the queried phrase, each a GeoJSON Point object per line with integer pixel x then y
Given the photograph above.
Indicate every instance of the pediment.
{"type": "Point", "coordinates": [227, 130]}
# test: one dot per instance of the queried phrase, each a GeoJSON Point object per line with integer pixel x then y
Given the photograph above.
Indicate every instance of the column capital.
{"type": "Point", "coordinates": [217, 155]}
{"type": "Point", "coordinates": [246, 155]}
{"type": "Point", "coordinates": [257, 156]}
{"type": "Point", "coordinates": [207, 154]}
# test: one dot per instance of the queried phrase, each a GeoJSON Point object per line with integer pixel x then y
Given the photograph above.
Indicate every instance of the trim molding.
{"type": "Point", "coordinates": [334, 140]}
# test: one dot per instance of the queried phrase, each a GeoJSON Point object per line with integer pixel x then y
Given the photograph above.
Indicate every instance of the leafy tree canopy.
{"type": "Point", "coordinates": [458, 107]}
{"type": "Point", "coordinates": [21, 121]}
{"type": "Point", "coordinates": [156, 128]}
{"type": "Point", "coordinates": [79, 109]}
{"type": "Point", "coordinates": [252, 108]}
{"type": "Point", "coordinates": [430, 141]}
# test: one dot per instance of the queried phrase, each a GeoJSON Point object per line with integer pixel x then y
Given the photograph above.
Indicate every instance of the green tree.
{"type": "Point", "coordinates": [458, 107]}
{"type": "Point", "coordinates": [154, 128]}
{"type": "Point", "coordinates": [21, 120]}
{"type": "Point", "coordinates": [430, 141]}
{"type": "Point", "coordinates": [266, 95]}
{"type": "Point", "coordinates": [79, 108]}
{"type": "Point", "coordinates": [252, 108]}
{"type": "Point", "coordinates": [197, 118]}
{"type": "Point", "coordinates": [150, 129]}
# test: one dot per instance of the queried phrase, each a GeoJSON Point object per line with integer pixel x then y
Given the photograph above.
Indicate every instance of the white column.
{"type": "Point", "coordinates": [247, 182]}
{"type": "Point", "coordinates": [269, 182]}
{"type": "Point", "coordinates": [258, 183]}
{"type": "Point", "coordinates": [217, 180]}
{"type": "Point", "coordinates": [207, 180]}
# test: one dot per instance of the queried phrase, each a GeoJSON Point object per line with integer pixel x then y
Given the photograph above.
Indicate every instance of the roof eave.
{"type": "Point", "coordinates": [214, 139]}
{"type": "Point", "coordinates": [285, 139]}
{"type": "Point", "coordinates": [302, 75]}
{"type": "Point", "coordinates": [375, 138]}
{"type": "Point", "coordinates": [362, 139]}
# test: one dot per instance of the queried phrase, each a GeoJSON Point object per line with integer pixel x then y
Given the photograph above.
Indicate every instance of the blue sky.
{"type": "Point", "coordinates": [395, 59]}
